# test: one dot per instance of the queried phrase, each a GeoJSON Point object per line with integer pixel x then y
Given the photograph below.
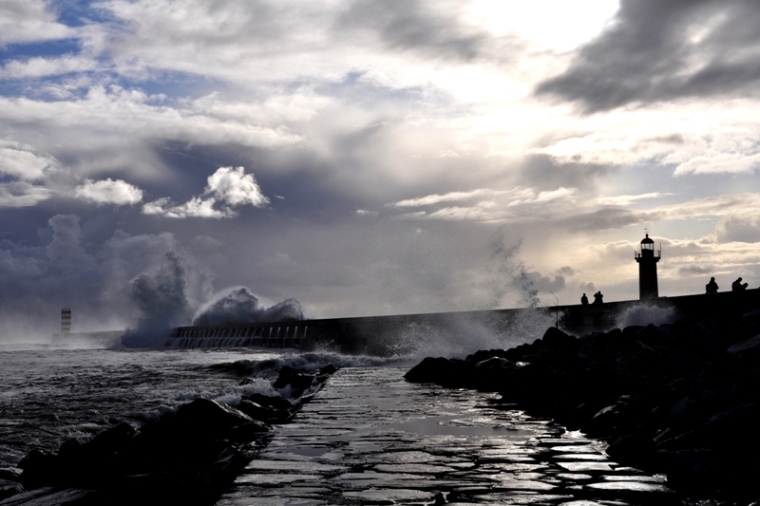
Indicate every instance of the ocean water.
{"type": "Point", "coordinates": [50, 394]}
{"type": "Point", "coordinates": [368, 437]}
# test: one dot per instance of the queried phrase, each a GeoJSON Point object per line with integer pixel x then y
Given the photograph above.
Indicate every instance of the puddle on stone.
{"type": "Point", "coordinates": [449, 425]}
{"type": "Point", "coordinates": [574, 476]}
{"type": "Point", "coordinates": [291, 466]}
{"type": "Point", "coordinates": [370, 496]}
{"type": "Point", "coordinates": [657, 478]}
{"type": "Point", "coordinates": [309, 452]}
{"type": "Point", "coordinates": [585, 466]}
{"type": "Point", "coordinates": [633, 486]}
{"type": "Point", "coordinates": [575, 448]}
{"type": "Point", "coordinates": [413, 468]}
{"type": "Point", "coordinates": [505, 483]}
{"type": "Point", "coordinates": [521, 498]}
{"type": "Point", "coordinates": [272, 479]}
{"type": "Point", "coordinates": [580, 456]}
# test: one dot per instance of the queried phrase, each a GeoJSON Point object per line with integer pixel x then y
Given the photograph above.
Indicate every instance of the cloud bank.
{"type": "Point", "coordinates": [390, 143]}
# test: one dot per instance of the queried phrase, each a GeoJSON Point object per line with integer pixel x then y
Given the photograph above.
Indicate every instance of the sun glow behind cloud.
{"type": "Point", "coordinates": [547, 24]}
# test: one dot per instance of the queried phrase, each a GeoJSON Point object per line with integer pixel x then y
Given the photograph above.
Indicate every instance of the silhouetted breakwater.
{"type": "Point", "coordinates": [680, 399]}
{"type": "Point", "coordinates": [379, 335]}
{"type": "Point", "coordinates": [374, 335]}
{"type": "Point", "coordinates": [188, 456]}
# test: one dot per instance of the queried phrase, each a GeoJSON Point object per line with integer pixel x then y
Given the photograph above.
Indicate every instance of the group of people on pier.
{"type": "Point", "coordinates": [711, 287]}
{"type": "Point", "coordinates": [598, 299]}
{"type": "Point", "coordinates": [736, 286]}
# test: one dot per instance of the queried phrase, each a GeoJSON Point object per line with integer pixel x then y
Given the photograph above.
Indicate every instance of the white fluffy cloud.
{"type": "Point", "coordinates": [29, 21]}
{"type": "Point", "coordinates": [448, 197]}
{"type": "Point", "coordinates": [22, 163]}
{"type": "Point", "coordinates": [108, 191]}
{"type": "Point", "coordinates": [229, 187]}
{"type": "Point", "coordinates": [40, 67]}
{"type": "Point", "coordinates": [24, 173]}
{"type": "Point", "coordinates": [487, 205]}
{"type": "Point", "coordinates": [234, 187]}
{"type": "Point", "coordinates": [193, 208]}
{"type": "Point", "coordinates": [22, 194]}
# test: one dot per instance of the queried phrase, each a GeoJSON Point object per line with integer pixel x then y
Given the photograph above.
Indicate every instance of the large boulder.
{"type": "Point", "coordinates": [445, 372]}
{"type": "Point", "coordinates": [40, 469]}
{"type": "Point", "coordinates": [679, 398]}
{"type": "Point", "coordinates": [489, 374]}
{"type": "Point", "coordinates": [9, 488]}
{"type": "Point", "coordinates": [634, 450]}
{"type": "Point", "coordinates": [208, 415]}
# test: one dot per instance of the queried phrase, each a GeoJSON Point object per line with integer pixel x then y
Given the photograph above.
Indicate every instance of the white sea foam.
{"type": "Point", "coordinates": [644, 314]}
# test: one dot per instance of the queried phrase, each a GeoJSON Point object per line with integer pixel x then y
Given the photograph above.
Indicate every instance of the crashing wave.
{"type": "Point", "coordinates": [239, 306]}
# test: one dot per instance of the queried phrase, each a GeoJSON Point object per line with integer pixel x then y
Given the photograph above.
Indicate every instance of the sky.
{"type": "Point", "coordinates": [368, 158]}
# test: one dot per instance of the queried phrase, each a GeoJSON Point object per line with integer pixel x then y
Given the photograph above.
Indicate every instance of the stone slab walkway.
{"type": "Point", "coordinates": [369, 437]}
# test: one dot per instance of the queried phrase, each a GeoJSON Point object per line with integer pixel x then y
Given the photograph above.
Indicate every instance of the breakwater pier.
{"type": "Point", "coordinates": [375, 334]}
{"type": "Point", "coordinates": [369, 437]}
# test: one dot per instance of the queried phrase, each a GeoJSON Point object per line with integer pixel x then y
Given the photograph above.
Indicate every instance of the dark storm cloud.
{"type": "Point", "coordinates": [67, 270]}
{"type": "Point", "coordinates": [312, 187]}
{"type": "Point", "coordinates": [410, 24]}
{"type": "Point", "coordinates": [541, 171]}
{"type": "Point", "coordinates": [665, 50]}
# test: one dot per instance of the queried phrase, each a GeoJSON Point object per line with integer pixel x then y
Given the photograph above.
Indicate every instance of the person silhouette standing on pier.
{"type": "Point", "coordinates": [738, 286]}
{"type": "Point", "coordinates": [598, 298]}
{"type": "Point", "coordinates": [584, 300]}
{"type": "Point", "coordinates": [712, 286]}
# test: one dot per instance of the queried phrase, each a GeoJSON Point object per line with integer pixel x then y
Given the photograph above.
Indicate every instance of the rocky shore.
{"type": "Point", "coordinates": [681, 399]}
{"type": "Point", "coordinates": [188, 456]}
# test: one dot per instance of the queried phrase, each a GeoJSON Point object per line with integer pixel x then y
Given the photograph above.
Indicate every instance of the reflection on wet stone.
{"type": "Point", "coordinates": [369, 437]}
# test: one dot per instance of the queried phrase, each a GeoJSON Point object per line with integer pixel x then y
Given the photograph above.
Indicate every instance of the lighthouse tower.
{"type": "Point", "coordinates": [647, 260]}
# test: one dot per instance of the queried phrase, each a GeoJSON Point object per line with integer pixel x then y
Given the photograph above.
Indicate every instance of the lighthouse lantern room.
{"type": "Point", "coordinates": [647, 260]}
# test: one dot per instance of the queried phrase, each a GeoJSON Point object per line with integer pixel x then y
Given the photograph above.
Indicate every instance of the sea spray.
{"type": "Point", "coordinates": [509, 280]}
{"type": "Point", "coordinates": [238, 305]}
{"type": "Point", "coordinates": [162, 303]}
{"type": "Point", "coordinates": [644, 314]}
{"type": "Point", "coordinates": [462, 335]}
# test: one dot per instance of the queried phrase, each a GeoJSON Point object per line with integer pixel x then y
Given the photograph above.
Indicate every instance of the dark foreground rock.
{"type": "Point", "coordinates": [186, 457]}
{"type": "Point", "coordinates": [681, 399]}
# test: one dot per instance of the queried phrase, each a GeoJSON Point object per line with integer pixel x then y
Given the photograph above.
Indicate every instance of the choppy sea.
{"type": "Point", "coordinates": [50, 394]}
{"type": "Point", "coordinates": [368, 437]}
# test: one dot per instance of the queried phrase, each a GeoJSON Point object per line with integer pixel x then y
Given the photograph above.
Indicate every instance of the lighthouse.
{"type": "Point", "coordinates": [65, 321]}
{"type": "Point", "coordinates": [647, 260]}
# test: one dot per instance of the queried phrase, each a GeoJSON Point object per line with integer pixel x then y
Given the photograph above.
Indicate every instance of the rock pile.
{"type": "Point", "coordinates": [186, 457]}
{"type": "Point", "coordinates": [681, 399]}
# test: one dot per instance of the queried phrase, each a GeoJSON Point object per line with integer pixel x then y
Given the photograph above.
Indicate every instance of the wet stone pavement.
{"type": "Point", "coordinates": [369, 437]}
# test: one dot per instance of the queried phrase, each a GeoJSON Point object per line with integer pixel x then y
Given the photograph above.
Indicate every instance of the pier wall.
{"type": "Point", "coordinates": [379, 334]}
{"type": "Point", "coordinates": [384, 335]}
